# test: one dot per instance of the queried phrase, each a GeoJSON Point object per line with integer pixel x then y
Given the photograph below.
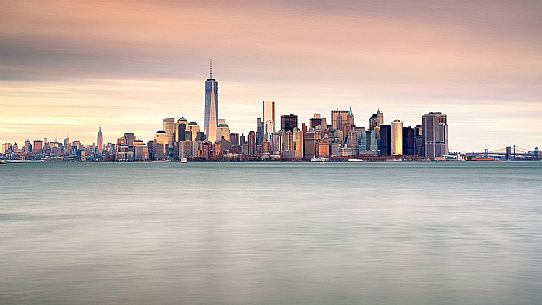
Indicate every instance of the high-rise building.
{"type": "Point", "coordinates": [409, 141]}
{"type": "Point", "coordinates": [234, 138]}
{"type": "Point", "coordinates": [169, 128]}
{"type": "Point", "coordinates": [67, 144]}
{"type": "Point", "coordinates": [100, 140]}
{"type": "Point", "coordinates": [288, 122]}
{"type": "Point", "coordinates": [310, 145]}
{"type": "Point", "coordinates": [435, 134]}
{"type": "Point", "coordinates": [339, 119]}
{"type": "Point", "coordinates": [141, 151]}
{"type": "Point", "coordinates": [129, 138]}
{"type": "Point", "coordinates": [268, 118]}
{"type": "Point", "coordinates": [287, 145]}
{"type": "Point", "coordinates": [223, 132]}
{"type": "Point", "coordinates": [193, 128]}
{"type": "Point", "coordinates": [37, 146]}
{"type": "Point", "coordinates": [396, 138]}
{"type": "Point", "coordinates": [298, 143]}
{"type": "Point", "coordinates": [160, 144]}
{"type": "Point", "coordinates": [259, 131]}
{"type": "Point", "coordinates": [182, 124]}
{"type": "Point", "coordinates": [420, 142]}
{"type": "Point", "coordinates": [211, 106]}
{"type": "Point", "coordinates": [384, 141]}
{"type": "Point", "coordinates": [252, 143]}
{"type": "Point", "coordinates": [376, 119]}
{"type": "Point", "coordinates": [318, 122]}
{"type": "Point", "coordinates": [342, 120]}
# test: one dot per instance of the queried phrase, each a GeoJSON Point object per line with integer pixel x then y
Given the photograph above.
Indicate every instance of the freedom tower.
{"type": "Point", "coordinates": [211, 106]}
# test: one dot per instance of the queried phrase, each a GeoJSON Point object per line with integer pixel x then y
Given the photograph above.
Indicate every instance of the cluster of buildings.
{"type": "Point", "coordinates": [273, 138]}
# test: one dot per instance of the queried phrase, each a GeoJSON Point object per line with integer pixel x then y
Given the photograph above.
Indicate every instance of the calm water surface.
{"type": "Point", "coordinates": [271, 233]}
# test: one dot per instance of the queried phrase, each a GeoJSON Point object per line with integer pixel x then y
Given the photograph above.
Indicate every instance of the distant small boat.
{"type": "Point", "coordinates": [3, 162]}
{"type": "Point", "coordinates": [184, 160]}
{"type": "Point", "coordinates": [319, 159]}
{"type": "Point", "coordinates": [484, 159]}
{"type": "Point", "coordinates": [355, 160]}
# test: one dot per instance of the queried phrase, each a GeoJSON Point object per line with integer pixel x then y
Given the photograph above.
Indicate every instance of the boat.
{"type": "Point", "coordinates": [319, 159]}
{"type": "Point", "coordinates": [484, 159]}
{"type": "Point", "coordinates": [3, 162]}
{"type": "Point", "coordinates": [184, 160]}
{"type": "Point", "coordinates": [355, 160]}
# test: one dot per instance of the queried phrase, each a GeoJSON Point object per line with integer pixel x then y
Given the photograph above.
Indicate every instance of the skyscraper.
{"type": "Point", "coordinates": [223, 132]}
{"type": "Point", "coordinates": [259, 131]}
{"type": "Point", "coordinates": [211, 106]}
{"type": "Point", "coordinates": [288, 122]}
{"type": "Point", "coordinates": [339, 119]}
{"type": "Point", "coordinates": [169, 128]}
{"type": "Point", "coordinates": [435, 134]}
{"type": "Point", "coordinates": [384, 141]}
{"type": "Point", "coordinates": [298, 143]}
{"type": "Point", "coordinates": [396, 138]}
{"type": "Point", "coordinates": [181, 129]}
{"type": "Point", "coordinates": [252, 143]}
{"type": "Point", "coordinates": [193, 127]}
{"type": "Point", "coordinates": [376, 119]}
{"type": "Point", "coordinates": [268, 118]}
{"type": "Point", "coordinates": [409, 141]}
{"type": "Point", "coordinates": [100, 140]}
{"type": "Point", "coordinates": [318, 122]}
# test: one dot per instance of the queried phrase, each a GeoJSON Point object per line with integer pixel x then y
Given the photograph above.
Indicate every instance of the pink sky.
{"type": "Point", "coordinates": [68, 66]}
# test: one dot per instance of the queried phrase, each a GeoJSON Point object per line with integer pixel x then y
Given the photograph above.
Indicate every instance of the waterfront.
{"type": "Point", "coordinates": [271, 233]}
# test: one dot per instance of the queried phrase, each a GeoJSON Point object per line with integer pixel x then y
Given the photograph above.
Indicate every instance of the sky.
{"type": "Point", "coordinates": [67, 67]}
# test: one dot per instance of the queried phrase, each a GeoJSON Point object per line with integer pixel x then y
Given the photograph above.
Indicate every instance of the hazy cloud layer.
{"type": "Point", "coordinates": [76, 64]}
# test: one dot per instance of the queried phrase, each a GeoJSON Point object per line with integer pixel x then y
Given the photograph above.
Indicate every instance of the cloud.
{"type": "Point", "coordinates": [105, 60]}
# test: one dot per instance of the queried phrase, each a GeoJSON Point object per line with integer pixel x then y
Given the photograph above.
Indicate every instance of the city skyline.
{"type": "Point", "coordinates": [480, 63]}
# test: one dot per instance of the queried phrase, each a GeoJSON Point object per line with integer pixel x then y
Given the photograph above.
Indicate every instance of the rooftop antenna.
{"type": "Point", "coordinates": [211, 68]}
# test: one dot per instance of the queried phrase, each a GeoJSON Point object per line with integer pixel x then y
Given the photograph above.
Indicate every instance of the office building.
{"type": "Point", "coordinates": [194, 129]}
{"type": "Point", "coordinates": [100, 140]}
{"type": "Point", "coordinates": [435, 134]}
{"type": "Point", "coordinates": [268, 118]}
{"type": "Point", "coordinates": [396, 138]}
{"type": "Point", "coordinates": [384, 141]}
{"type": "Point", "coordinates": [169, 127]}
{"type": "Point", "coordinates": [288, 122]}
{"type": "Point", "coordinates": [182, 125]}
{"type": "Point", "coordinates": [251, 143]}
{"type": "Point", "coordinates": [376, 119]}
{"type": "Point", "coordinates": [409, 141]}
{"type": "Point", "coordinates": [259, 131]}
{"type": "Point", "coordinates": [211, 107]}
{"type": "Point", "coordinates": [298, 143]}
{"type": "Point", "coordinates": [234, 138]}
{"type": "Point", "coordinates": [37, 146]}
{"type": "Point", "coordinates": [223, 132]}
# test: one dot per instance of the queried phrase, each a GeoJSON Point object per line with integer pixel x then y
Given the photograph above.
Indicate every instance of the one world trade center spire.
{"type": "Point", "coordinates": [211, 106]}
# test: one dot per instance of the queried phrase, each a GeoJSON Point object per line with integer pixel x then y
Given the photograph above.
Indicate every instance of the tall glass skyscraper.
{"type": "Point", "coordinates": [211, 106]}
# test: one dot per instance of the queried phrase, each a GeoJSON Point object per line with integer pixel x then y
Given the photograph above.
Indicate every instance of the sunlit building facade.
{"type": "Point", "coordinates": [396, 138]}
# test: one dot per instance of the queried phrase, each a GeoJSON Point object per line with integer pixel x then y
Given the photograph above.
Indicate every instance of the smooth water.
{"type": "Point", "coordinates": [271, 233]}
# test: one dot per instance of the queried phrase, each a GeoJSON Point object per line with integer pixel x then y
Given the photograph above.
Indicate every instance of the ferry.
{"type": "Point", "coordinates": [355, 160]}
{"type": "Point", "coordinates": [184, 160]}
{"type": "Point", "coordinates": [483, 159]}
{"type": "Point", "coordinates": [319, 159]}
